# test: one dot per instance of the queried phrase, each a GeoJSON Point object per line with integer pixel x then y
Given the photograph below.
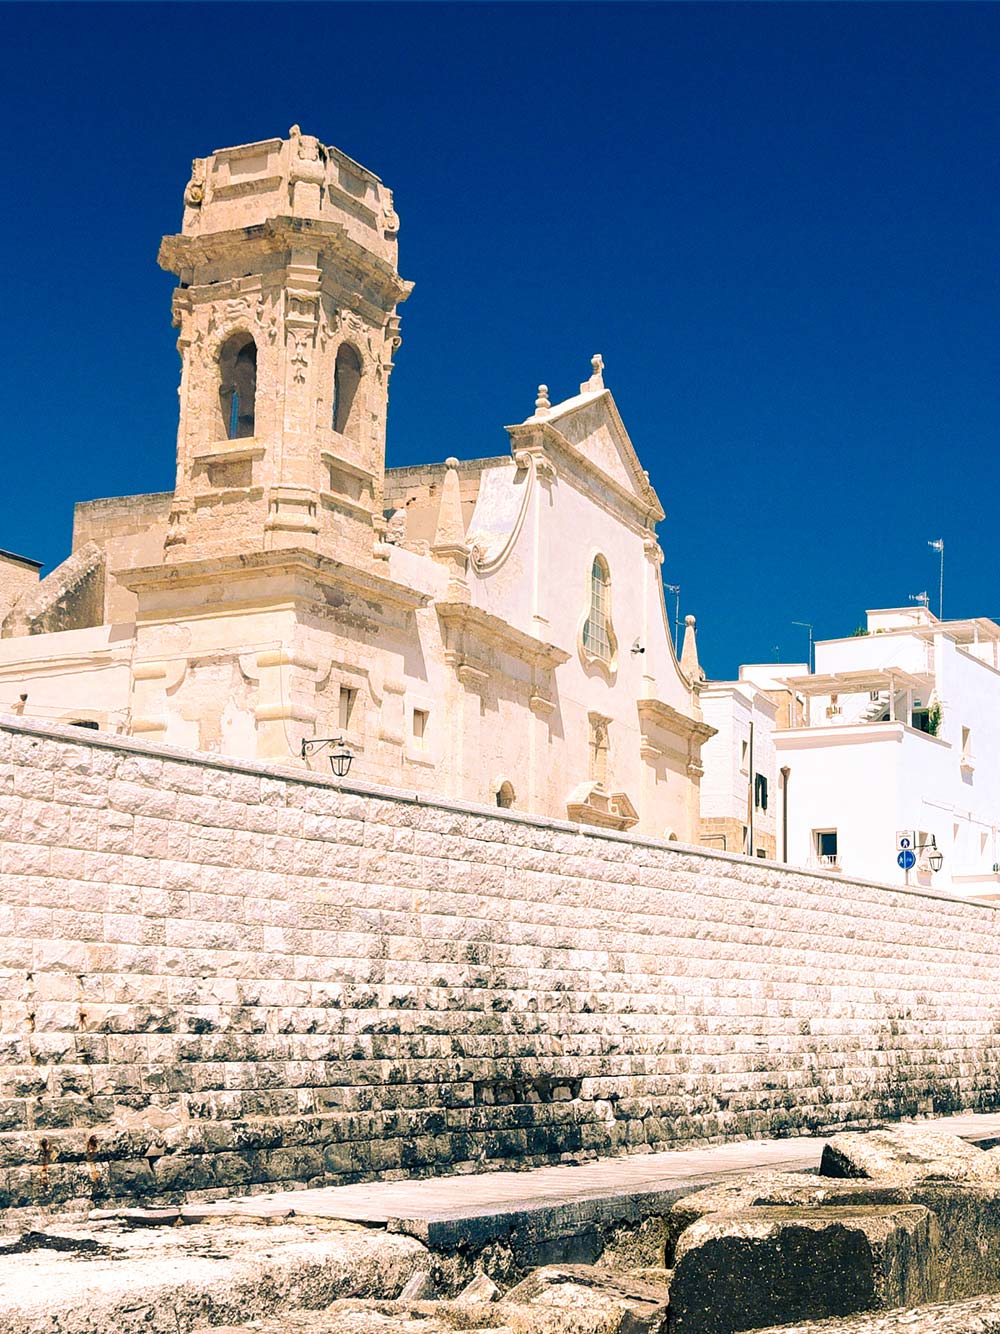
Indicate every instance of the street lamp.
{"type": "Point", "coordinates": [341, 757]}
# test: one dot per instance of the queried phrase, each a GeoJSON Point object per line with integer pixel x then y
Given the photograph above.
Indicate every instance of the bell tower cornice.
{"type": "Point", "coordinates": [188, 256]}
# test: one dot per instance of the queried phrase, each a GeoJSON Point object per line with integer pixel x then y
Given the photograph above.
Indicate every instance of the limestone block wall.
{"type": "Point", "coordinates": [219, 978]}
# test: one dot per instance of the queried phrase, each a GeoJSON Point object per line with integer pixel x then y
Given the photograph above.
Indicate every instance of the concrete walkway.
{"type": "Point", "coordinates": [554, 1201]}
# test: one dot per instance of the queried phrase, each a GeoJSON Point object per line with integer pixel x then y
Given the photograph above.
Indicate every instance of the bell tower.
{"type": "Point", "coordinates": [286, 306]}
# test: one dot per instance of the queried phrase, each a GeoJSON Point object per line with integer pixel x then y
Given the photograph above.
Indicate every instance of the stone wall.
{"type": "Point", "coordinates": [216, 977]}
{"type": "Point", "coordinates": [70, 597]}
{"type": "Point", "coordinates": [18, 575]}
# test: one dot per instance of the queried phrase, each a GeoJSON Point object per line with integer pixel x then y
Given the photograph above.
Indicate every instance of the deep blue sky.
{"type": "Point", "coordinates": [779, 224]}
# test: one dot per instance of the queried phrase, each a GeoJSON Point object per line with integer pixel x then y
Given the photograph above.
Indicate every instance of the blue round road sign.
{"type": "Point", "coordinates": [907, 859]}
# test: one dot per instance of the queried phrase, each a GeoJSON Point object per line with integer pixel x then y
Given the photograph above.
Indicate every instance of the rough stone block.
{"type": "Point", "coordinates": [979, 1316]}
{"type": "Point", "coordinates": [625, 1303]}
{"type": "Point", "coordinates": [749, 1269]}
{"type": "Point", "coordinates": [907, 1153]}
{"type": "Point", "coordinates": [968, 1216]}
{"type": "Point", "coordinates": [744, 1192]}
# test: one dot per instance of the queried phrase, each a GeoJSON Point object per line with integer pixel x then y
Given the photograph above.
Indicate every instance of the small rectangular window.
{"type": "Point", "coordinates": [827, 852]}
{"type": "Point", "coordinates": [744, 749]}
{"type": "Point", "coordinates": [760, 791]}
{"type": "Point", "coordinates": [420, 718]}
{"type": "Point", "coordinates": [966, 745]}
{"type": "Point", "coordinates": [348, 699]}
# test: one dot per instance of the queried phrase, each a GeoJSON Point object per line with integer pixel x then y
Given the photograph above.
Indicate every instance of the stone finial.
{"type": "Point", "coordinates": [690, 665]}
{"type": "Point", "coordinates": [596, 381]}
{"type": "Point", "coordinates": [450, 531]}
{"type": "Point", "coordinates": [542, 403]}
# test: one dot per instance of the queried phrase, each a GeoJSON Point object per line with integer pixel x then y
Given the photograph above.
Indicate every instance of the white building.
{"type": "Point", "coordinates": [901, 733]}
{"type": "Point", "coordinates": [738, 788]}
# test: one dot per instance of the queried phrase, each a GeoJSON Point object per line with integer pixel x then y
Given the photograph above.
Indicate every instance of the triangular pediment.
{"type": "Point", "coordinates": [589, 429]}
{"type": "Point", "coordinates": [591, 803]}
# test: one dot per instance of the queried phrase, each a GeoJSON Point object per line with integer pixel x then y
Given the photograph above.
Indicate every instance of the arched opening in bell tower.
{"type": "Point", "coordinates": [238, 385]}
{"type": "Point", "coordinates": [346, 381]}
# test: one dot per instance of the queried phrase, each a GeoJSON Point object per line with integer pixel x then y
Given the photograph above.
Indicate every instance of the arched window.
{"type": "Point", "coordinates": [346, 379]}
{"type": "Point", "coordinates": [597, 627]}
{"type": "Point", "coordinates": [238, 385]}
{"type": "Point", "coordinates": [505, 795]}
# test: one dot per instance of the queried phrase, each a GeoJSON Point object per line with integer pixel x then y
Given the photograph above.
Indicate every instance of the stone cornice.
{"type": "Point", "coordinates": [179, 252]}
{"type": "Point", "coordinates": [482, 627]}
{"type": "Point", "coordinates": [321, 569]}
{"type": "Point", "coordinates": [656, 713]}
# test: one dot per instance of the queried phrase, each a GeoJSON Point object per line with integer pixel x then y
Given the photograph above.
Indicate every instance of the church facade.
{"type": "Point", "coordinates": [491, 630]}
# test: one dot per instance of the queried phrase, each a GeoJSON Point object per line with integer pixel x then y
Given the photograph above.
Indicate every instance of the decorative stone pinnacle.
{"type": "Point", "coordinates": [596, 381]}
{"type": "Point", "coordinates": [542, 403]}
{"type": "Point", "coordinates": [689, 654]}
{"type": "Point", "coordinates": [451, 463]}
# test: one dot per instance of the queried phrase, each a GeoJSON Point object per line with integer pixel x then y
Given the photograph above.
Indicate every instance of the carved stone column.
{"type": "Point", "coordinates": [292, 499]}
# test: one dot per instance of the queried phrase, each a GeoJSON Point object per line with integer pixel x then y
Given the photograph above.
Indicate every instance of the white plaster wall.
{"type": "Point", "coordinates": [563, 530]}
{"type": "Point", "coordinates": [872, 651]}
{"type": "Point", "coordinates": [966, 798]}
{"type": "Point", "coordinates": [69, 675]}
{"type": "Point", "coordinates": [848, 780]}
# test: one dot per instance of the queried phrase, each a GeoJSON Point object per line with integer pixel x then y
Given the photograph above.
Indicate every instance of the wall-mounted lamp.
{"type": "Point", "coordinates": [935, 859]}
{"type": "Point", "coordinates": [341, 757]}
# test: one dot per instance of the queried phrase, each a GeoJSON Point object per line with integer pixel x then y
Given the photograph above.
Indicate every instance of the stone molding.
{"type": "Point", "coordinates": [325, 570]}
{"type": "Point", "coordinates": [467, 626]}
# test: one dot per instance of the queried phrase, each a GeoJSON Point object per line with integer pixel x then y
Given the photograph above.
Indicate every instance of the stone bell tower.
{"type": "Point", "coordinates": [286, 305]}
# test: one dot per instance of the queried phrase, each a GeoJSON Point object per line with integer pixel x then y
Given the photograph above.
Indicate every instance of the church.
{"type": "Point", "coordinates": [490, 630]}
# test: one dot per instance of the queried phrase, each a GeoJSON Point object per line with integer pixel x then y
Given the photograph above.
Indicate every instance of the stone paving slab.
{"type": "Point", "coordinates": [558, 1200]}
